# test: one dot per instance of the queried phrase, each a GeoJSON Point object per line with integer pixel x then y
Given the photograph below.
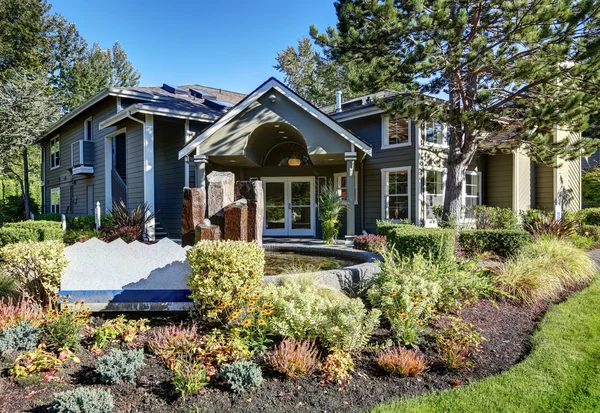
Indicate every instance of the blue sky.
{"type": "Point", "coordinates": [230, 44]}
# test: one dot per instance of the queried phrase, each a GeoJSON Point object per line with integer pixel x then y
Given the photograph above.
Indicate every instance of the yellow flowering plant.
{"type": "Point", "coordinates": [252, 322]}
{"type": "Point", "coordinates": [64, 321]}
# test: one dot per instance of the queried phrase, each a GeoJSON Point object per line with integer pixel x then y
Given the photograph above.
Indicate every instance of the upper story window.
{"type": "Point", "coordinates": [395, 132]}
{"type": "Point", "coordinates": [54, 152]}
{"type": "Point", "coordinates": [87, 129]}
{"type": "Point", "coordinates": [434, 133]}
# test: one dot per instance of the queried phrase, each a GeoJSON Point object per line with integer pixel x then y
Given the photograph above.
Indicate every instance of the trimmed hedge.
{"type": "Point", "coordinates": [48, 217]}
{"type": "Point", "coordinates": [503, 243]}
{"type": "Point", "coordinates": [590, 216]}
{"type": "Point", "coordinates": [14, 232]}
{"type": "Point", "coordinates": [438, 243]}
{"type": "Point", "coordinates": [384, 227]}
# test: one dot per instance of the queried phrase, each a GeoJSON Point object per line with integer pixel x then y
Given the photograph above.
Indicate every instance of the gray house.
{"type": "Point", "coordinates": [145, 144]}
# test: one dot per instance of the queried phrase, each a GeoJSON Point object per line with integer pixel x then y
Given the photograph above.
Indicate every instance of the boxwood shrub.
{"type": "Point", "coordinates": [35, 231]}
{"type": "Point", "coordinates": [437, 243]}
{"type": "Point", "coordinates": [383, 227]}
{"type": "Point", "coordinates": [503, 243]}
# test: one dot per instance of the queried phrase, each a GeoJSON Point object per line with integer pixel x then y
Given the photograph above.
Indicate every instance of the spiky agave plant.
{"type": "Point", "coordinates": [138, 217]}
{"type": "Point", "coordinates": [331, 205]}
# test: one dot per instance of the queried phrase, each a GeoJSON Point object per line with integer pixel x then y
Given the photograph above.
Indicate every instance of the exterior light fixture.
{"type": "Point", "coordinates": [272, 98]}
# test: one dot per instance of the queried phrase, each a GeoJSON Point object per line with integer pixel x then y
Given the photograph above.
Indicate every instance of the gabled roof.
{"type": "Point", "coordinates": [273, 83]}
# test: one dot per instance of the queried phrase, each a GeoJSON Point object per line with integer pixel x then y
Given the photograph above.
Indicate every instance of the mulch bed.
{"type": "Point", "coordinates": [506, 327]}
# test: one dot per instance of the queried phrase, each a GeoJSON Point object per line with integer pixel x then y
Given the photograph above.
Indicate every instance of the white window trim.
{"type": "Point", "coordinates": [425, 193]}
{"type": "Point", "coordinates": [43, 174]}
{"type": "Point", "coordinates": [57, 137]}
{"type": "Point", "coordinates": [85, 129]}
{"type": "Point", "coordinates": [384, 172]}
{"type": "Point", "coordinates": [52, 190]}
{"type": "Point", "coordinates": [385, 126]}
{"type": "Point", "coordinates": [338, 184]}
{"type": "Point", "coordinates": [464, 188]}
{"type": "Point", "coordinates": [431, 144]}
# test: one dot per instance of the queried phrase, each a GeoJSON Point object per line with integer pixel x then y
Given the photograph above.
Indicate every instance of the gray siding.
{"type": "Point", "coordinates": [544, 187]}
{"type": "Point", "coordinates": [369, 129]}
{"type": "Point", "coordinates": [62, 178]}
{"type": "Point", "coordinates": [135, 162]}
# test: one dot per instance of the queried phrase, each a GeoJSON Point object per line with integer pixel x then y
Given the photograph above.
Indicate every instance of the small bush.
{"type": "Point", "coordinates": [407, 240]}
{"type": "Point", "coordinates": [63, 324]}
{"type": "Point", "coordinates": [82, 400]}
{"type": "Point", "coordinates": [21, 337]}
{"type": "Point", "coordinates": [456, 343]}
{"type": "Point", "coordinates": [539, 223]}
{"type": "Point", "coordinates": [74, 236]}
{"type": "Point", "coordinates": [136, 218]}
{"type": "Point", "coordinates": [294, 358]}
{"type": "Point", "coordinates": [48, 217]}
{"type": "Point", "coordinates": [189, 376]}
{"type": "Point", "coordinates": [41, 361]}
{"type": "Point", "coordinates": [14, 313]}
{"type": "Point", "coordinates": [494, 218]}
{"type": "Point", "coordinates": [82, 223]}
{"type": "Point", "coordinates": [583, 242]}
{"type": "Point", "coordinates": [118, 328]}
{"type": "Point", "coordinates": [591, 231]}
{"type": "Point", "coordinates": [225, 274]}
{"type": "Point", "coordinates": [37, 267]}
{"type": "Point", "coordinates": [399, 360]}
{"type": "Point", "coordinates": [544, 269]}
{"type": "Point", "coordinates": [504, 243]}
{"type": "Point", "coordinates": [241, 375]}
{"type": "Point", "coordinates": [169, 341]}
{"type": "Point", "coordinates": [118, 366]}
{"type": "Point", "coordinates": [590, 216]}
{"type": "Point", "coordinates": [30, 231]}
{"type": "Point", "coordinates": [384, 227]}
{"type": "Point", "coordinates": [337, 367]}
{"type": "Point", "coordinates": [126, 233]}
{"type": "Point", "coordinates": [347, 326]}
{"type": "Point", "coordinates": [8, 289]}
{"type": "Point", "coordinates": [371, 243]}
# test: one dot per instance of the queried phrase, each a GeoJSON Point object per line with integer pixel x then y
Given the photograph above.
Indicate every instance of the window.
{"type": "Point", "coordinates": [472, 189]}
{"type": "Point", "coordinates": [395, 193]}
{"type": "Point", "coordinates": [87, 129]}
{"type": "Point", "coordinates": [54, 152]}
{"type": "Point", "coordinates": [434, 133]}
{"type": "Point", "coordinates": [396, 132]}
{"type": "Point", "coordinates": [340, 184]}
{"type": "Point", "coordinates": [55, 200]}
{"type": "Point", "coordinates": [434, 191]}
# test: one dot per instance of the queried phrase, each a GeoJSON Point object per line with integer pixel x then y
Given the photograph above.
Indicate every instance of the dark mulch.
{"type": "Point", "coordinates": [507, 328]}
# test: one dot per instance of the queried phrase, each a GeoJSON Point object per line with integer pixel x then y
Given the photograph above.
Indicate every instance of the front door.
{"type": "Point", "coordinates": [289, 206]}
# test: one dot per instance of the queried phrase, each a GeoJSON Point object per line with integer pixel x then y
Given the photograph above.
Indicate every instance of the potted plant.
{"type": "Point", "coordinates": [331, 205]}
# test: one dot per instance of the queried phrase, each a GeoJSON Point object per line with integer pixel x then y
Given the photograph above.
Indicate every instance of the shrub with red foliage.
{"type": "Point", "coordinates": [14, 313]}
{"type": "Point", "coordinates": [398, 360]}
{"type": "Point", "coordinates": [126, 233]}
{"type": "Point", "coordinates": [294, 358]}
{"type": "Point", "coordinates": [371, 243]}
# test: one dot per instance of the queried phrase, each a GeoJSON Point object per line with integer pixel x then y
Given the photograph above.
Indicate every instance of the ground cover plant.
{"type": "Point", "coordinates": [421, 324]}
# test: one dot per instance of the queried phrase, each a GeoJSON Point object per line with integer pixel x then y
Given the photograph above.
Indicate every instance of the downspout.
{"type": "Point", "coordinates": [135, 119]}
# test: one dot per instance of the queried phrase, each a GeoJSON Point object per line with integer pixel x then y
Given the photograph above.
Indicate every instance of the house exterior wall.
{"type": "Point", "coordinates": [544, 187]}
{"type": "Point", "coordinates": [369, 129]}
{"type": "Point", "coordinates": [135, 161]}
{"type": "Point", "coordinates": [569, 176]}
{"type": "Point", "coordinates": [498, 180]}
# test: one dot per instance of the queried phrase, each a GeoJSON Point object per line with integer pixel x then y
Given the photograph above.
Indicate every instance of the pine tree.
{"type": "Point", "coordinates": [511, 71]}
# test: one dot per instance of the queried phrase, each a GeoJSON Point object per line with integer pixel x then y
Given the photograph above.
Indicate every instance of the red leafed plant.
{"type": "Point", "coordinates": [371, 243]}
{"type": "Point", "coordinates": [170, 341]}
{"type": "Point", "coordinates": [126, 233]}
{"type": "Point", "coordinates": [399, 360]}
{"type": "Point", "coordinates": [13, 313]}
{"type": "Point", "coordinates": [294, 358]}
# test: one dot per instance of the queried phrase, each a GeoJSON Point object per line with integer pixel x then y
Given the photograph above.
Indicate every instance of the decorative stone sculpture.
{"type": "Point", "coordinates": [236, 221]}
{"type": "Point", "coordinates": [192, 213]}
{"type": "Point", "coordinates": [220, 192]}
{"type": "Point", "coordinates": [207, 233]}
{"type": "Point", "coordinates": [252, 191]}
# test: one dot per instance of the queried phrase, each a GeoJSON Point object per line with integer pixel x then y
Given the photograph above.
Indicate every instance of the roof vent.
{"type": "Point", "coordinates": [174, 89]}
{"type": "Point", "coordinates": [215, 104]}
{"type": "Point", "coordinates": [202, 94]}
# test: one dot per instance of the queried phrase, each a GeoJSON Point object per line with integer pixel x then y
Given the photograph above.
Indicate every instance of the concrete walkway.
{"type": "Point", "coordinates": [304, 242]}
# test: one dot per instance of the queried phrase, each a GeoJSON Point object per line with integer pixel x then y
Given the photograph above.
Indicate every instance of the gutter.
{"type": "Point", "coordinates": [139, 108]}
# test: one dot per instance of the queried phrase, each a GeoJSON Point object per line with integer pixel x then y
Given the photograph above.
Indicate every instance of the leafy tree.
{"type": "Point", "coordinates": [312, 75]}
{"type": "Point", "coordinates": [590, 187]}
{"type": "Point", "coordinates": [511, 71]}
{"type": "Point", "coordinates": [26, 111]}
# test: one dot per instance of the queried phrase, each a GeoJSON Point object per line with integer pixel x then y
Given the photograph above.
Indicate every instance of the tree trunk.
{"type": "Point", "coordinates": [459, 158]}
{"type": "Point", "coordinates": [26, 184]}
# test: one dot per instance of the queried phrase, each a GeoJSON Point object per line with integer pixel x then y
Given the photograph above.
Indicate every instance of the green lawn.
{"type": "Point", "coordinates": [562, 373]}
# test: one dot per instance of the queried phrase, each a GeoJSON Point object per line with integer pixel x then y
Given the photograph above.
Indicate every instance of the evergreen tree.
{"type": "Point", "coordinates": [511, 71]}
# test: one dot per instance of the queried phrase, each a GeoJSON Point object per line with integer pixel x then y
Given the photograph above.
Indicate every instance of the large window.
{"type": "Point", "coordinates": [395, 191]}
{"type": "Point", "coordinates": [396, 132]}
{"type": "Point", "coordinates": [472, 189]}
{"type": "Point", "coordinates": [434, 191]}
{"type": "Point", "coordinates": [87, 129]}
{"type": "Point", "coordinates": [342, 186]}
{"type": "Point", "coordinates": [434, 133]}
{"type": "Point", "coordinates": [55, 200]}
{"type": "Point", "coordinates": [54, 152]}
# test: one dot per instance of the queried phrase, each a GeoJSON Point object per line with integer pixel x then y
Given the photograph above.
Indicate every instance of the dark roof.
{"type": "Point", "coordinates": [360, 102]}
{"type": "Point", "coordinates": [221, 94]}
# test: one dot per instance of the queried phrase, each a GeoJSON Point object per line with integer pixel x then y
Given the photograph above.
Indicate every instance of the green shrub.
{"type": "Point", "coordinates": [8, 288]}
{"type": "Point", "coordinates": [33, 224]}
{"type": "Point", "coordinates": [63, 324]}
{"type": "Point", "coordinates": [383, 227]}
{"type": "Point", "coordinates": [539, 223]}
{"type": "Point", "coordinates": [590, 187]}
{"type": "Point", "coordinates": [15, 232]}
{"type": "Point", "coordinates": [331, 206]}
{"type": "Point", "coordinates": [456, 343]}
{"type": "Point", "coordinates": [408, 240]}
{"type": "Point", "coordinates": [241, 375]}
{"type": "Point", "coordinates": [591, 231]}
{"type": "Point", "coordinates": [82, 400]}
{"type": "Point", "coordinates": [371, 243]}
{"type": "Point", "coordinates": [337, 367]}
{"type": "Point", "coordinates": [347, 326]}
{"type": "Point", "coordinates": [21, 337]}
{"type": "Point", "coordinates": [583, 242]}
{"type": "Point", "coordinates": [82, 223]}
{"type": "Point", "coordinates": [225, 274]}
{"type": "Point", "coordinates": [504, 243]}
{"type": "Point", "coordinates": [118, 328]}
{"type": "Point", "coordinates": [189, 376]}
{"type": "Point", "coordinates": [73, 236]}
{"type": "Point", "coordinates": [36, 267]}
{"type": "Point", "coordinates": [487, 217]}
{"type": "Point", "coordinates": [590, 216]}
{"type": "Point", "coordinates": [118, 366]}
{"type": "Point", "coordinates": [544, 269]}
{"type": "Point", "coordinates": [48, 217]}
{"type": "Point", "coordinates": [12, 208]}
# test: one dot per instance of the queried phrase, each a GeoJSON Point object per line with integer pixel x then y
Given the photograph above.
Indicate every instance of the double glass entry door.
{"type": "Point", "coordinates": [289, 206]}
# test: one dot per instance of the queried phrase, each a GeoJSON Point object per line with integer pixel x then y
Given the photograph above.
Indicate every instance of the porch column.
{"type": "Point", "coordinates": [149, 172]}
{"type": "Point", "coordinates": [200, 162]}
{"type": "Point", "coordinates": [350, 158]}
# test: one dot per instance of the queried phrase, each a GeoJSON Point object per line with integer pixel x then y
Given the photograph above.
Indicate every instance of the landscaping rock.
{"type": "Point", "coordinates": [207, 233]}
{"type": "Point", "coordinates": [220, 192]}
{"type": "Point", "coordinates": [252, 191]}
{"type": "Point", "coordinates": [192, 213]}
{"type": "Point", "coordinates": [236, 221]}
